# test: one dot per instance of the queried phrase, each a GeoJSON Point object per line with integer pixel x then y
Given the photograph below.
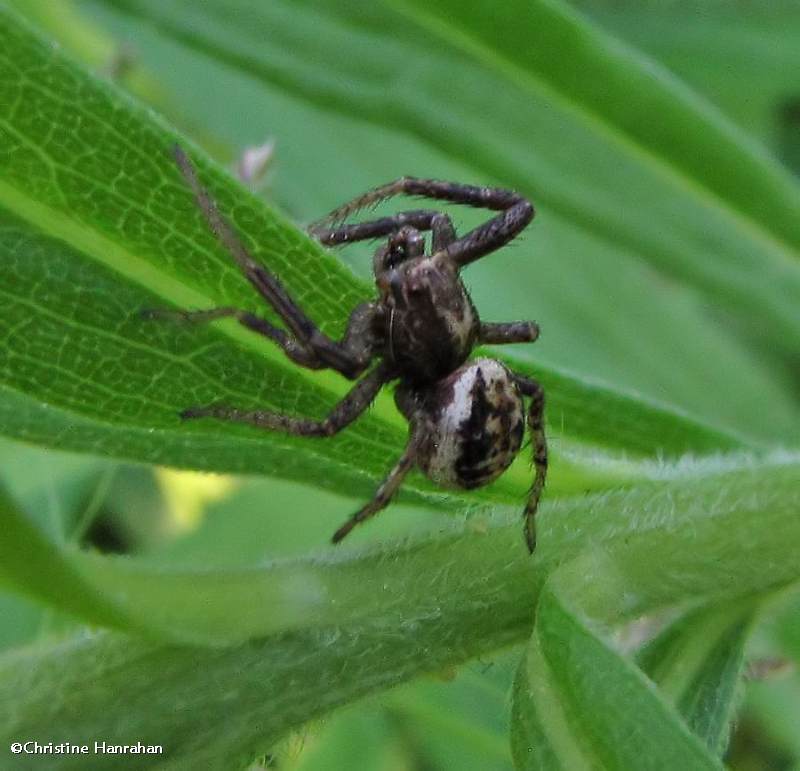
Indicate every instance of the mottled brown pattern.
{"type": "Point", "coordinates": [469, 426]}
{"type": "Point", "coordinates": [490, 444]}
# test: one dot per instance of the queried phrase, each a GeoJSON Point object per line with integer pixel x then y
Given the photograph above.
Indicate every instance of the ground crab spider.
{"type": "Point", "coordinates": [466, 416]}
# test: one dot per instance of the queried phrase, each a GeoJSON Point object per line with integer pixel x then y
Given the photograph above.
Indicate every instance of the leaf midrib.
{"type": "Point", "coordinates": [108, 252]}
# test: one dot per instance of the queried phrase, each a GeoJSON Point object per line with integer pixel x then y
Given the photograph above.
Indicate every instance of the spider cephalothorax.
{"type": "Point", "coordinates": [466, 417]}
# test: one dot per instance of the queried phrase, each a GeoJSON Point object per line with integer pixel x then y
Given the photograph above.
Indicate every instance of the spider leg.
{"type": "Point", "coordinates": [296, 352]}
{"type": "Point", "coordinates": [494, 198]}
{"type": "Point", "coordinates": [329, 352]}
{"type": "Point", "coordinates": [384, 493]}
{"type": "Point", "coordinates": [508, 332]}
{"type": "Point", "coordinates": [343, 414]}
{"type": "Point", "coordinates": [490, 236]}
{"type": "Point", "coordinates": [530, 387]}
{"type": "Point", "coordinates": [516, 213]}
{"type": "Point", "coordinates": [422, 219]}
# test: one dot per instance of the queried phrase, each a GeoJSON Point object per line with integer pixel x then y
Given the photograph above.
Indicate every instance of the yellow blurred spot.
{"type": "Point", "coordinates": [188, 493]}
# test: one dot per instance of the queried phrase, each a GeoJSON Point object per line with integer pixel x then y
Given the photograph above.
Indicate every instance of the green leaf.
{"type": "Point", "coordinates": [693, 141]}
{"type": "Point", "coordinates": [36, 567]}
{"type": "Point", "coordinates": [697, 663]}
{"type": "Point", "coordinates": [766, 725]}
{"type": "Point", "coordinates": [58, 494]}
{"type": "Point", "coordinates": [235, 702]}
{"type": "Point", "coordinates": [682, 525]}
{"type": "Point", "coordinates": [451, 720]}
{"type": "Point", "coordinates": [579, 704]}
{"type": "Point", "coordinates": [648, 270]}
{"type": "Point", "coordinates": [356, 738]}
{"type": "Point", "coordinates": [54, 489]}
{"type": "Point", "coordinates": [458, 719]}
{"type": "Point", "coordinates": [382, 618]}
{"type": "Point", "coordinates": [741, 57]}
{"type": "Point", "coordinates": [642, 276]}
{"type": "Point", "coordinates": [100, 225]}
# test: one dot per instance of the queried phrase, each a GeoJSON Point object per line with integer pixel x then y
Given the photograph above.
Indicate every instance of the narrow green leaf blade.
{"type": "Point", "coordinates": [385, 617]}
{"type": "Point", "coordinates": [33, 565]}
{"type": "Point", "coordinates": [742, 58]}
{"type": "Point", "coordinates": [613, 714]}
{"type": "Point", "coordinates": [691, 279]}
{"type": "Point", "coordinates": [692, 138]}
{"type": "Point", "coordinates": [235, 702]}
{"type": "Point", "coordinates": [680, 525]}
{"type": "Point", "coordinates": [99, 225]}
{"type": "Point", "coordinates": [697, 663]}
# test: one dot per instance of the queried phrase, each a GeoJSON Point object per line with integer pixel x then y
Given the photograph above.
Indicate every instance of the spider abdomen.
{"type": "Point", "coordinates": [470, 425]}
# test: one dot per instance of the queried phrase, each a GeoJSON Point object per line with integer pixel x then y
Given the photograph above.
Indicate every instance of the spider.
{"type": "Point", "coordinates": [466, 417]}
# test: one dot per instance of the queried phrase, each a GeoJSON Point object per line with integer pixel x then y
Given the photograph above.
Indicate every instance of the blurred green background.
{"type": "Point", "coordinates": [618, 269]}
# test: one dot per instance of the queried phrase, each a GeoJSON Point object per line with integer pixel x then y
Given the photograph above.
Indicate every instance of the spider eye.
{"type": "Point", "coordinates": [397, 253]}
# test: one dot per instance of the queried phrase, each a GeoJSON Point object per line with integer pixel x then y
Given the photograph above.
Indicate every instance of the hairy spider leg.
{"type": "Point", "coordinates": [530, 387]}
{"type": "Point", "coordinates": [296, 352]}
{"type": "Point", "coordinates": [354, 403]}
{"type": "Point", "coordinates": [350, 360]}
{"type": "Point", "coordinates": [437, 222]}
{"type": "Point", "coordinates": [516, 213]}
{"type": "Point", "coordinates": [493, 198]}
{"type": "Point", "coordinates": [525, 332]}
{"type": "Point", "coordinates": [490, 236]}
{"type": "Point", "coordinates": [358, 330]}
{"type": "Point", "coordinates": [504, 332]}
{"type": "Point", "coordinates": [384, 493]}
